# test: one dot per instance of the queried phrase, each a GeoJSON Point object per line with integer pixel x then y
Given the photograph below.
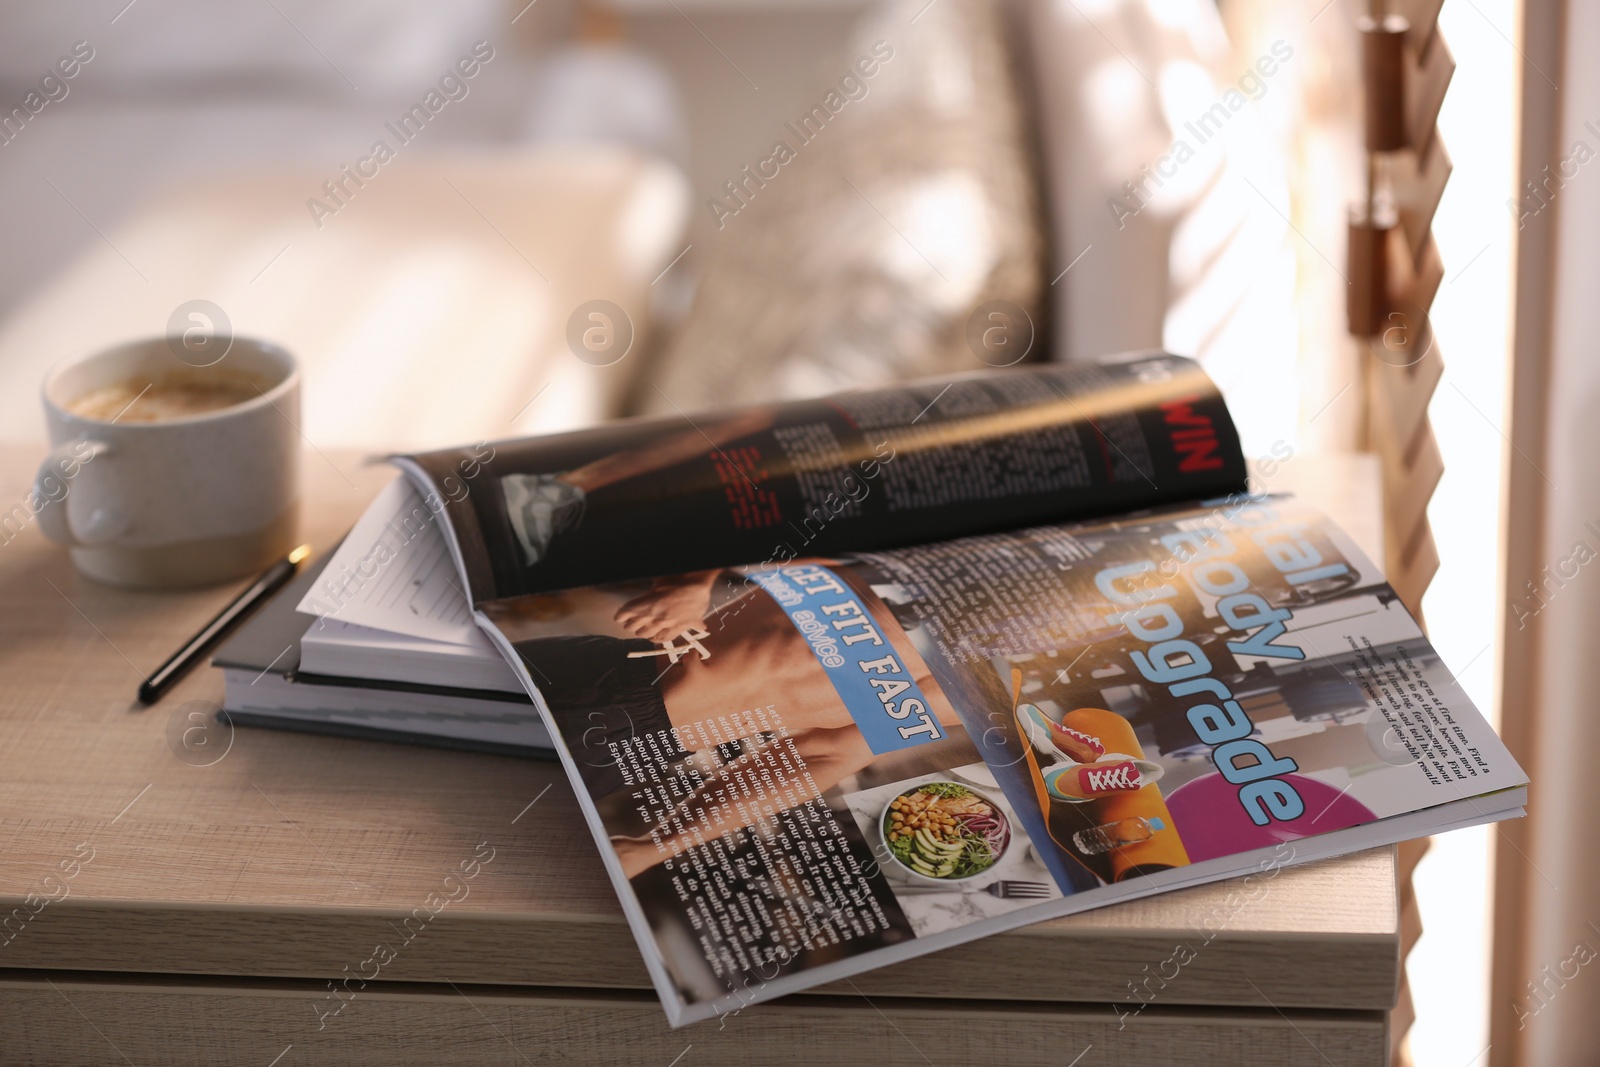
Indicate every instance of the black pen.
{"type": "Point", "coordinates": [271, 580]}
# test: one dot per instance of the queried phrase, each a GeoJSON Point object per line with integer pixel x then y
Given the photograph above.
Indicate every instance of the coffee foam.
{"type": "Point", "coordinates": [160, 400]}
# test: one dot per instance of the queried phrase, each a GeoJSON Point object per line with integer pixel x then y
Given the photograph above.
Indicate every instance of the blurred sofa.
{"type": "Point", "coordinates": [913, 188]}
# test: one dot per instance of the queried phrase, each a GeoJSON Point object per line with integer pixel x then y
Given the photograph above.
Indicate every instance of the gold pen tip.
{"type": "Point", "coordinates": [300, 554]}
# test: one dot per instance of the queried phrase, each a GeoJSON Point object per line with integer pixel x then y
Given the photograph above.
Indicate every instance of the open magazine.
{"type": "Point", "coordinates": [846, 681]}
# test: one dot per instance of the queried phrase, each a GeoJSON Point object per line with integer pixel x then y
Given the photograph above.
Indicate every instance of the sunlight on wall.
{"type": "Point", "coordinates": [1449, 968]}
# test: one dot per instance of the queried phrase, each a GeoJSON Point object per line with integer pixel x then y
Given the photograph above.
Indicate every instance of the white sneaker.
{"type": "Point", "coordinates": [540, 506]}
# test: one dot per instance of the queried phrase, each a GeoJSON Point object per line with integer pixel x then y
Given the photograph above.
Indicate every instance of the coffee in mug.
{"type": "Point", "coordinates": [179, 475]}
{"type": "Point", "coordinates": [173, 398]}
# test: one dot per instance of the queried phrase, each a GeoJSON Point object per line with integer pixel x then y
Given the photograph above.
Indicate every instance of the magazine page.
{"type": "Point", "coordinates": [871, 469]}
{"type": "Point", "coordinates": [801, 769]}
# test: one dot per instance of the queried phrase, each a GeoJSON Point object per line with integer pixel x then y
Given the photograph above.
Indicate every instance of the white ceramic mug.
{"type": "Point", "coordinates": [182, 501]}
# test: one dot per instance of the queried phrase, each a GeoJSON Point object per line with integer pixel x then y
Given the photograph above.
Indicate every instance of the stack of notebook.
{"type": "Point", "coordinates": [384, 651]}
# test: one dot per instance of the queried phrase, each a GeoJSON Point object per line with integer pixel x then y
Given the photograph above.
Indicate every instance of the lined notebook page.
{"type": "Point", "coordinates": [393, 572]}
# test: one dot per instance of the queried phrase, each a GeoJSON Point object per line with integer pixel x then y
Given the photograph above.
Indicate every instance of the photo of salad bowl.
{"type": "Point", "coordinates": [939, 833]}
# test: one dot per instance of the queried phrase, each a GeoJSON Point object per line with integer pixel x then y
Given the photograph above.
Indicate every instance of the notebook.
{"type": "Point", "coordinates": [398, 687]}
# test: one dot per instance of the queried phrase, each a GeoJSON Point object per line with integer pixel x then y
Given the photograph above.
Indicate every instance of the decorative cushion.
{"type": "Point", "coordinates": [859, 248]}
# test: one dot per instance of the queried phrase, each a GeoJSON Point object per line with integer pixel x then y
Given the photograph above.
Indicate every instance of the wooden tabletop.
{"type": "Point", "coordinates": [291, 855]}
